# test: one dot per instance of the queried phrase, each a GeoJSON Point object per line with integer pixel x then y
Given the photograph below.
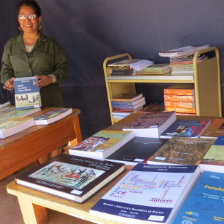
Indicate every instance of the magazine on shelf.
{"type": "Point", "coordinates": [15, 125]}
{"type": "Point", "coordinates": [27, 93]}
{"type": "Point", "coordinates": [147, 194]}
{"type": "Point", "coordinates": [102, 144]}
{"type": "Point", "coordinates": [151, 124]}
{"type": "Point", "coordinates": [71, 177]}
{"type": "Point", "coordinates": [137, 150]}
{"type": "Point", "coordinates": [52, 115]}
{"type": "Point", "coordinates": [204, 204]}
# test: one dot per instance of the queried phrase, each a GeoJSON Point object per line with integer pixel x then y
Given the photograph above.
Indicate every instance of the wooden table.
{"type": "Point", "coordinates": [33, 204]}
{"type": "Point", "coordinates": [28, 146]}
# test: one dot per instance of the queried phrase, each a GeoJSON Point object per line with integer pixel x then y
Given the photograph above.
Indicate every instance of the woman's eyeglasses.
{"type": "Point", "coordinates": [30, 16]}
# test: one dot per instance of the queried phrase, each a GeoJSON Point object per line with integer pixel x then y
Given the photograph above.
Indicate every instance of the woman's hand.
{"type": "Point", "coordinates": [44, 80]}
{"type": "Point", "coordinates": [9, 85]}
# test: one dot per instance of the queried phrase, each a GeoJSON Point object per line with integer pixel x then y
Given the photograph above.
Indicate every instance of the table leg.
{"type": "Point", "coordinates": [32, 213]}
{"type": "Point", "coordinates": [78, 138]}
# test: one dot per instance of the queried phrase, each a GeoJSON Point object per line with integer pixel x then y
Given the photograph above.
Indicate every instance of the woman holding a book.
{"type": "Point", "coordinates": [31, 53]}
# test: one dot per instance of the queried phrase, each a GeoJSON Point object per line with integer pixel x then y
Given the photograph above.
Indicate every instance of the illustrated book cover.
{"type": "Point", "coordinates": [15, 125]}
{"type": "Point", "coordinates": [181, 150]}
{"type": "Point", "coordinates": [151, 125]}
{"type": "Point", "coordinates": [52, 116]}
{"type": "Point", "coordinates": [27, 93]}
{"type": "Point", "coordinates": [147, 194]}
{"type": "Point", "coordinates": [215, 129]}
{"type": "Point", "coordinates": [205, 202]}
{"type": "Point", "coordinates": [71, 177]}
{"type": "Point", "coordinates": [214, 158]}
{"type": "Point", "coordinates": [137, 150]}
{"type": "Point", "coordinates": [101, 144]}
{"type": "Point", "coordinates": [186, 128]}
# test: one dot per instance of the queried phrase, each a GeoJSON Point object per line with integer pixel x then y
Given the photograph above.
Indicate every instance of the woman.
{"type": "Point", "coordinates": [33, 54]}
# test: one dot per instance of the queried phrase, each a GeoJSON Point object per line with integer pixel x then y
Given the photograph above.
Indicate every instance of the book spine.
{"type": "Point", "coordinates": [184, 92]}
{"type": "Point", "coordinates": [180, 104]}
{"type": "Point", "coordinates": [179, 98]}
{"type": "Point", "coordinates": [181, 110]}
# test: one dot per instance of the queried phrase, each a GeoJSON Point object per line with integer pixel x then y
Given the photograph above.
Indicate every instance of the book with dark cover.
{"type": "Point", "coordinates": [186, 128]}
{"type": "Point", "coordinates": [137, 150]}
{"type": "Point", "coordinates": [180, 150]}
{"type": "Point", "coordinates": [27, 93]}
{"type": "Point", "coordinates": [52, 116]}
{"type": "Point", "coordinates": [71, 177]}
{"type": "Point", "coordinates": [101, 144]}
{"type": "Point", "coordinates": [204, 205]}
{"type": "Point", "coordinates": [152, 124]}
{"type": "Point", "coordinates": [214, 158]}
{"type": "Point", "coordinates": [215, 129]}
{"type": "Point", "coordinates": [147, 194]}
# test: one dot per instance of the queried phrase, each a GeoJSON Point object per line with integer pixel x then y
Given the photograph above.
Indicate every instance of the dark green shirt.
{"type": "Point", "coordinates": [45, 58]}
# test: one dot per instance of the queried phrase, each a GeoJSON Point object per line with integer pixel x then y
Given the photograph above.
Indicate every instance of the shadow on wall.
{"type": "Point", "coordinates": [92, 101]}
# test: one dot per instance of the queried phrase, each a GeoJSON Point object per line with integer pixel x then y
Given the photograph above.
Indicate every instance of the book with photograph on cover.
{"type": "Point", "coordinates": [101, 144]}
{"type": "Point", "coordinates": [71, 177]}
{"type": "Point", "coordinates": [147, 194]}
{"type": "Point", "coordinates": [137, 150]}
{"type": "Point", "coordinates": [27, 93]}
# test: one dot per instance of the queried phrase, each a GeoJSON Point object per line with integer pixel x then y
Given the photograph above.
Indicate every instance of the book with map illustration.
{"type": "Point", "coordinates": [204, 205]}
{"type": "Point", "coordinates": [214, 158]}
{"type": "Point", "coordinates": [181, 150]}
{"type": "Point", "coordinates": [71, 177]}
{"type": "Point", "coordinates": [101, 144]}
{"type": "Point", "coordinates": [52, 115]}
{"type": "Point", "coordinates": [147, 194]}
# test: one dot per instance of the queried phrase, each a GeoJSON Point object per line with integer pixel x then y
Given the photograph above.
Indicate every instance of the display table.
{"type": "Point", "coordinates": [33, 204]}
{"type": "Point", "coordinates": [28, 146]}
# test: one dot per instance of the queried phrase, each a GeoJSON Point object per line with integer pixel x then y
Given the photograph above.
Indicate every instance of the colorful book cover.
{"type": "Point", "coordinates": [125, 104]}
{"type": "Point", "coordinates": [186, 128]}
{"type": "Point", "coordinates": [101, 144]}
{"type": "Point", "coordinates": [205, 202]}
{"type": "Point", "coordinates": [178, 98]}
{"type": "Point", "coordinates": [215, 129]}
{"type": "Point", "coordinates": [52, 116]}
{"type": "Point", "coordinates": [151, 124]}
{"type": "Point", "coordinates": [181, 110]}
{"type": "Point", "coordinates": [137, 150]}
{"type": "Point", "coordinates": [71, 177]}
{"type": "Point", "coordinates": [147, 193]}
{"type": "Point", "coordinates": [180, 104]}
{"type": "Point", "coordinates": [180, 150]}
{"type": "Point", "coordinates": [127, 97]}
{"type": "Point", "coordinates": [27, 93]}
{"type": "Point", "coordinates": [214, 158]}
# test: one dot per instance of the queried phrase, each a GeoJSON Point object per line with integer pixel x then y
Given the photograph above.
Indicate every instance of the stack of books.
{"type": "Point", "coordinates": [181, 59]}
{"type": "Point", "coordinates": [128, 67]}
{"type": "Point", "coordinates": [156, 69]}
{"type": "Point", "coordinates": [180, 99]}
{"type": "Point", "coordinates": [125, 104]}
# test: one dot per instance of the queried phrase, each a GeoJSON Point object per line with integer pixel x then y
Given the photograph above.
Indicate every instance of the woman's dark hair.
{"type": "Point", "coordinates": [31, 3]}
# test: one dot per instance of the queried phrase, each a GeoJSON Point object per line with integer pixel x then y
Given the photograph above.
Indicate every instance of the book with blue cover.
{"type": "Point", "coordinates": [186, 128]}
{"type": "Point", "coordinates": [205, 202]}
{"type": "Point", "coordinates": [27, 93]}
{"type": "Point", "coordinates": [147, 194]}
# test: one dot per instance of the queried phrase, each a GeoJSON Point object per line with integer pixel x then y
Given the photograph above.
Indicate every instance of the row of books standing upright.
{"type": "Point", "coordinates": [177, 174]}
